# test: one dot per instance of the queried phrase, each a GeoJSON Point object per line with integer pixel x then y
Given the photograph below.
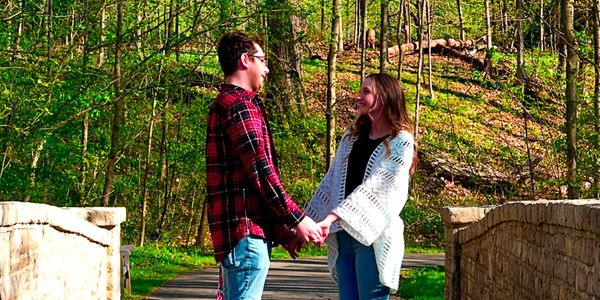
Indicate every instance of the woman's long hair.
{"type": "Point", "coordinates": [388, 91]}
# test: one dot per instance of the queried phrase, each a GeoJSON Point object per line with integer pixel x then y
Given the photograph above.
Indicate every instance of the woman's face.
{"type": "Point", "coordinates": [366, 100]}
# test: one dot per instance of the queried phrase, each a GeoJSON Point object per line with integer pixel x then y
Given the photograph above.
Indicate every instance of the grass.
{"type": "Point", "coordinates": [422, 283]}
{"type": "Point", "coordinates": [152, 266]}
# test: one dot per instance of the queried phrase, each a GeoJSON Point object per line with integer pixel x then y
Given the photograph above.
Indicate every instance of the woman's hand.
{"type": "Point", "coordinates": [326, 225]}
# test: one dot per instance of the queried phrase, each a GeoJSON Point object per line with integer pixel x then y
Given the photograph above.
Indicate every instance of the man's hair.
{"type": "Point", "coordinates": [231, 47]}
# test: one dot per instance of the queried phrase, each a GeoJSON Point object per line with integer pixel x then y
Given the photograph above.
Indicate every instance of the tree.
{"type": "Point", "coordinates": [572, 60]}
{"type": "Point", "coordinates": [363, 47]}
{"type": "Point", "coordinates": [285, 86]}
{"type": "Point", "coordinates": [596, 142]}
{"type": "Point", "coordinates": [331, 82]}
{"type": "Point", "coordinates": [383, 45]}
{"type": "Point", "coordinates": [118, 112]}
{"type": "Point", "coordinates": [420, 19]}
{"type": "Point", "coordinates": [461, 22]}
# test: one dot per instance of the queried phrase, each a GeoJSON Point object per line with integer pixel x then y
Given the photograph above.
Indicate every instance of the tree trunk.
{"type": "Point", "coordinates": [363, 46]}
{"type": "Point", "coordinates": [19, 30]}
{"type": "Point", "coordinates": [331, 84]}
{"type": "Point", "coordinates": [101, 51]}
{"type": "Point", "coordinates": [461, 22]}
{"type": "Point", "coordinates": [118, 110]}
{"type": "Point", "coordinates": [567, 12]}
{"type": "Point", "coordinates": [596, 142]}
{"type": "Point", "coordinates": [202, 224]}
{"type": "Point", "coordinates": [488, 24]}
{"type": "Point", "coordinates": [35, 157]}
{"type": "Point", "coordinates": [147, 172]}
{"type": "Point", "coordinates": [356, 36]}
{"type": "Point", "coordinates": [429, 34]}
{"type": "Point", "coordinates": [561, 44]}
{"type": "Point", "coordinates": [85, 125]}
{"type": "Point", "coordinates": [520, 41]}
{"type": "Point", "coordinates": [521, 76]}
{"type": "Point", "coordinates": [407, 24]}
{"type": "Point", "coordinates": [285, 85]}
{"type": "Point", "coordinates": [400, 57]}
{"type": "Point", "coordinates": [505, 15]}
{"type": "Point", "coordinates": [340, 29]}
{"type": "Point", "coordinates": [421, 13]}
{"type": "Point", "coordinates": [322, 16]}
{"type": "Point", "coordinates": [383, 57]}
{"type": "Point", "coordinates": [542, 38]}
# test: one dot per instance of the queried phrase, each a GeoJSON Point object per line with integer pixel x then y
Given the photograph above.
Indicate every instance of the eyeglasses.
{"type": "Point", "coordinates": [262, 58]}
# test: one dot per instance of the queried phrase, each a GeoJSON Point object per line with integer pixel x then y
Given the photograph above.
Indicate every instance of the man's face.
{"type": "Point", "coordinates": [257, 69]}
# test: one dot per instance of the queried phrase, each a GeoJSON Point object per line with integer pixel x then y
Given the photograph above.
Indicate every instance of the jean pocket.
{"type": "Point", "coordinates": [230, 261]}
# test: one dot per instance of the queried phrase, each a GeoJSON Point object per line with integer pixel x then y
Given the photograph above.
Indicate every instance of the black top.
{"type": "Point", "coordinates": [357, 161]}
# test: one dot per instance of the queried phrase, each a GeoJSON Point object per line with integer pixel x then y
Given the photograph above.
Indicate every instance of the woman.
{"type": "Point", "coordinates": [363, 192]}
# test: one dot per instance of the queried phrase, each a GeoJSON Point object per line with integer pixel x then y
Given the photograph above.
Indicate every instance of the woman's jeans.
{"type": "Point", "coordinates": [358, 277]}
{"type": "Point", "coordinates": [245, 268]}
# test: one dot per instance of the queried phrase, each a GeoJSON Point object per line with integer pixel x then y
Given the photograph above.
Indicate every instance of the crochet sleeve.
{"type": "Point", "coordinates": [374, 204]}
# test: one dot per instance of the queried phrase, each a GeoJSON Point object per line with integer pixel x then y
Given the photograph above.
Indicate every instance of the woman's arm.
{"type": "Point", "coordinates": [370, 208]}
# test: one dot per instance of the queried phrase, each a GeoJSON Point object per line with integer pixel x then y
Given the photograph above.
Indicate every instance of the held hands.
{"type": "Point", "coordinates": [309, 231]}
{"type": "Point", "coordinates": [326, 223]}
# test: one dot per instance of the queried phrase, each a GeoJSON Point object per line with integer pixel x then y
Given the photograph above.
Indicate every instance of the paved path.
{"type": "Point", "coordinates": [306, 278]}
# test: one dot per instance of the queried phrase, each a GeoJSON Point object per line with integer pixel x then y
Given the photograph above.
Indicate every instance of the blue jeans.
{"type": "Point", "coordinates": [358, 277]}
{"type": "Point", "coordinates": [244, 270]}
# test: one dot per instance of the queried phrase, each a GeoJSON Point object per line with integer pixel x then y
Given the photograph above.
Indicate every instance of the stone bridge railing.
{"type": "Point", "coordinates": [523, 250]}
{"type": "Point", "coordinates": [48, 252]}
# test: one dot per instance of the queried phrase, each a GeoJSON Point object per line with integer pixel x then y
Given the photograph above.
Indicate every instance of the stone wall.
{"type": "Point", "coordinates": [523, 250]}
{"type": "Point", "coordinates": [48, 252]}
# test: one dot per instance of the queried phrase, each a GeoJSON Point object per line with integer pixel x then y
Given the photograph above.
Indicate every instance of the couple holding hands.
{"type": "Point", "coordinates": [354, 211]}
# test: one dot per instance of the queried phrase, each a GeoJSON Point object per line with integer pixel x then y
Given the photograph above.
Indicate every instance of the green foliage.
{"type": "Point", "coordinates": [299, 139]}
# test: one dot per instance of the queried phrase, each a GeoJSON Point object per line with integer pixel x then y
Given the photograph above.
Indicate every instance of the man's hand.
{"type": "Point", "coordinates": [293, 245]}
{"type": "Point", "coordinates": [309, 231]}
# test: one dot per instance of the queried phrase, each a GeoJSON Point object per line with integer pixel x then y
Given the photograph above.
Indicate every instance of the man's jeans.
{"type": "Point", "coordinates": [245, 269]}
{"type": "Point", "coordinates": [358, 277]}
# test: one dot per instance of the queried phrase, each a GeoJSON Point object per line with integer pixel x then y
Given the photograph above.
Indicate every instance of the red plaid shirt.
{"type": "Point", "coordinates": [244, 193]}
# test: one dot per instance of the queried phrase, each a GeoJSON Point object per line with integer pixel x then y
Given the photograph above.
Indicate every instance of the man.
{"type": "Point", "coordinates": [248, 208]}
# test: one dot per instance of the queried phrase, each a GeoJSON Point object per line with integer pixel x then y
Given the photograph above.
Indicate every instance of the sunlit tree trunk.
{"type": "Point", "coordinates": [35, 157]}
{"type": "Point", "coordinates": [596, 142]}
{"type": "Point", "coordinates": [407, 23]}
{"type": "Point", "coordinates": [357, 22]}
{"type": "Point", "coordinates": [398, 40]}
{"type": "Point", "coordinates": [420, 17]}
{"type": "Point", "coordinates": [146, 174]}
{"type": "Point", "coordinates": [331, 84]}
{"type": "Point", "coordinates": [429, 34]}
{"type": "Point", "coordinates": [383, 45]}
{"type": "Point", "coordinates": [542, 26]}
{"type": "Point", "coordinates": [521, 76]}
{"type": "Point", "coordinates": [488, 24]}
{"type": "Point", "coordinates": [101, 51]}
{"type": "Point", "coordinates": [567, 11]}
{"type": "Point", "coordinates": [461, 22]}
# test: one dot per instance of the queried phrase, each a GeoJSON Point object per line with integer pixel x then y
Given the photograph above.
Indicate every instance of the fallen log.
{"type": "Point", "coordinates": [436, 45]}
{"type": "Point", "coordinates": [470, 176]}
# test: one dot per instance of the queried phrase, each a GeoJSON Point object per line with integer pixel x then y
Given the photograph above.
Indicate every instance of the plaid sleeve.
{"type": "Point", "coordinates": [244, 124]}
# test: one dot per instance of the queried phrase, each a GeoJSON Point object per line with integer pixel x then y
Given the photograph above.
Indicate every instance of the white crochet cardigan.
{"type": "Point", "coordinates": [371, 213]}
